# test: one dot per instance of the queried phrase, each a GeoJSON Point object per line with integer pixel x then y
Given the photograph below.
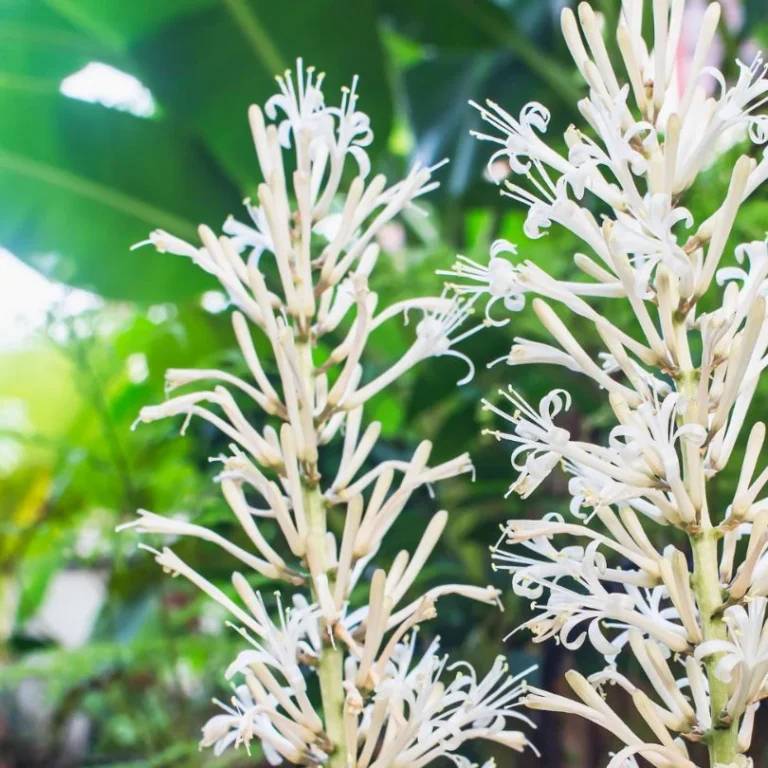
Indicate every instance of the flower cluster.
{"type": "Point", "coordinates": [298, 276]}
{"type": "Point", "coordinates": [645, 568]}
{"type": "Point", "coordinates": [410, 718]}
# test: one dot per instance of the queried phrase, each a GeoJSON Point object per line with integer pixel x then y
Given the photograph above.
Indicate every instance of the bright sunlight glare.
{"type": "Point", "coordinates": [26, 298]}
{"type": "Point", "coordinates": [102, 84]}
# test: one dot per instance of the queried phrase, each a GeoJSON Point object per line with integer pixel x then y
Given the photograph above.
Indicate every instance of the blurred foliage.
{"type": "Point", "coordinates": [83, 183]}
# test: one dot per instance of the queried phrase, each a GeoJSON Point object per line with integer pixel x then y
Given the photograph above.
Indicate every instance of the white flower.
{"type": "Point", "coordinates": [248, 716]}
{"type": "Point", "coordinates": [436, 718]}
{"type": "Point", "coordinates": [648, 443]}
{"type": "Point", "coordinates": [530, 157]}
{"type": "Point", "coordinates": [530, 575]}
{"type": "Point", "coordinates": [641, 451]}
{"type": "Point", "coordinates": [753, 276]}
{"type": "Point", "coordinates": [739, 103]}
{"type": "Point", "coordinates": [592, 707]}
{"type": "Point", "coordinates": [499, 279]}
{"type": "Point", "coordinates": [302, 104]}
{"type": "Point", "coordinates": [164, 242]}
{"type": "Point", "coordinates": [655, 607]}
{"type": "Point", "coordinates": [659, 387]}
{"type": "Point", "coordinates": [690, 381]}
{"type": "Point", "coordinates": [519, 141]}
{"type": "Point", "coordinates": [646, 232]}
{"type": "Point", "coordinates": [655, 429]}
{"type": "Point", "coordinates": [435, 337]}
{"type": "Point", "coordinates": [756, 254]}
{"type": "Point", "coordinates": [353, 131]}
{"type": "Point", "coordinates": [538, 439]}
{"type": "Point", "coordinates": [743, 658]}
{"type": "Point", "coordinates": [221, 731]}
{"type": "Point", "coordinates": [258, 237]}
{"type": "Point", "coordinates": [591, 488]}
{"type": "Point", "coordinates": [586, 600]}
{"type": "Point", "coordinates": [433, 334]}
{"type": "Point", "coordinates": [281, 647]}
{"type": "Point", "coordinates": [621, 152]}
{"type": "Point", "coordinates": [321, 224]}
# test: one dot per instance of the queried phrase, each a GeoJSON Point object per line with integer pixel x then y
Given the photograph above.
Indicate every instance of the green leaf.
{"type": "Point", "coordinates": [510, 51]}
{"type": "Point", "coordinates": [754, 13]}
{"type": "Point", "coordinates": [89, 182]}
{"type": "Point", "coordinates": [467, 25]}
{"type": "Point", "coordinates": [458, 25]}
{"type": "Point", "coordinates": [436, 86]}
{"type": "Point", "coordinates": [40, 47]}
{"type": "Point", "coordinates": [35, 575]}
{"type": "Point", "coordinates": [120, 24]}
{"type": "Point", "coordinates": [207, 62]}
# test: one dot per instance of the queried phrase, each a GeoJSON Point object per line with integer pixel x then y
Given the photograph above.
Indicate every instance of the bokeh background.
{"type": "Point", "coordinates": [119, 117]}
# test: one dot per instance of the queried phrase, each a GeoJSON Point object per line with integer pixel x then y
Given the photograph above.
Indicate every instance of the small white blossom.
{"type": "Point", "coordinates": [538, 440]}
{"type": "Point", "coordinates": [499, 280]}
{"type": "Point", "coordinates": [436, 718]}
{"type": "Point", "coordinates": [742, 660]}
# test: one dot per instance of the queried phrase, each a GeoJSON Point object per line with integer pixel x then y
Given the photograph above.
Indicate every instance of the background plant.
{"type": "Point", "coordinates": [71, 469]}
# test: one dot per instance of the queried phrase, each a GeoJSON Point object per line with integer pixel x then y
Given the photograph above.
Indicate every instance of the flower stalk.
{"type": "Point", "coordinates": [330, 670]}
{"type": "Point", "coordinates": [301, 275]}
{"type": "Point", "coordinates": [680, 389]}
{"type": "Point", "coordinates": [331, 675]}
{"type": "Point", "coordinates": [722, 740]}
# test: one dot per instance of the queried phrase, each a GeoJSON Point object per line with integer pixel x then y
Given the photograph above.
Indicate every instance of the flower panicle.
{"type": "Point", "coordinates": [649, 566]}
{"type": "Point", "coordinates": [299, 271]}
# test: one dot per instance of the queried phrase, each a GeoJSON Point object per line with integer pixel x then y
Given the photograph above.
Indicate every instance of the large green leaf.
{"type": "Point", "coordinates": [754, 12]}
{"type": "Point", "coordinates": [471, 24]}
{"type": "Point", "coordinates": [84, 183]}
{"type": "Point", "coordinates": [119, 24]}
{"type": "Point", "coordinates": [40, 46]}
{"type": "Point", "coordinates": [460, 24]}
{"type": "Point", "coordinates": [87, 183]}
{"type": "Point", "coordinates": [206, 61]}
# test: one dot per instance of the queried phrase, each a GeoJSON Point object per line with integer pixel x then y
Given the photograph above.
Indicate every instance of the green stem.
{"type": "Point", "coordinates": [331, 674]}
{"type": "Point", "coordinates": [723, 738]}
{"type": "Point", "coordinates": [331, 663]}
